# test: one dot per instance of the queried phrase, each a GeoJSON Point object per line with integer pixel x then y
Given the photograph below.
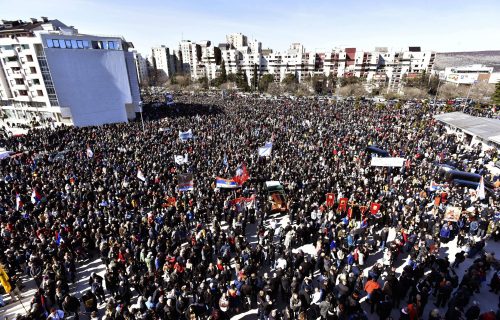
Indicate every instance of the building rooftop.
{"type": "Point", "coordinates": [486, 128]}
{"type": "Point", "coordinates": [20, 27]}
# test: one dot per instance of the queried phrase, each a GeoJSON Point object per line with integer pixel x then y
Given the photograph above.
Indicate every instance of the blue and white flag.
{"type": "Point", "coordinates": [186, 135]}
{"type": "Point", "coordinates": [265, 151]}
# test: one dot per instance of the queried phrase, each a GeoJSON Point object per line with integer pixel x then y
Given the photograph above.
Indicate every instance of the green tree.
{"type": "Point", "coordinates": [318, 84]}
{"type": "Point", "coordinates": [223, 73]}
{"type": "Point", "coordinates": [289, 79]}
{"type": "Point", "coordinates": [264, 82]}
{"type": "Point", "coordinates": [254, 77]}
{"type": "Point", "coordinates": [496, 95]}
{"type": "Point", "coordinates": [204, 82]}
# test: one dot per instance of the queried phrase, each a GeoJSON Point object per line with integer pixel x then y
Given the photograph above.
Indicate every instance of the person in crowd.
{"type": "Point", "coordinates": [172, 242]}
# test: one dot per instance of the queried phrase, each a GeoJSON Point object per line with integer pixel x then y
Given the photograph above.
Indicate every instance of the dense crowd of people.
{"type": "Point", "coordinates": [111, 193]}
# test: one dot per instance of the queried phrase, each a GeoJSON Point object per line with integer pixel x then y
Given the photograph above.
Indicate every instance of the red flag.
{"type": "Point", "coordinates": [342, 204]}
{"type": "Point", "coordinates": [374, 207]}
{"type": "Point", "coordinates": [330, 199]}
{"type": "Point", "coordinates": [241, 175]}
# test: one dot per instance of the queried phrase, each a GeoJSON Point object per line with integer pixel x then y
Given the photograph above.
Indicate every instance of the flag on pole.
{"type": "Point", "coordinates": [330, 199]}
{"type": "Point", "coordinates": [35, 196]}
{"type": "Point", "coordinates": [58, 238]}
{"type": "Point", "coordinates": [185, 135]}
{"type": "Point", "coordinates": [90, 153]}
{"type": "Point", "coordinates": [225, 183]}
{"type": "Point", "coordinates": [241, 175]}
{"type": "Point", "coordinates": [343, 204]}
{"type": "Point", "coordinates": [480, 189]}
{"type": "Point", "coordinates": [185, 182]}
{"type": "Point", "coordinates": [4, 280]}
{"type": "Point", "coordinates": [265, 151]}
{"type": "Point", "coordinates": [374, 207]}
{"type": "Point", "coordinates": [19, 202]}
{"type": "Point", "coordinates": [140, 175]}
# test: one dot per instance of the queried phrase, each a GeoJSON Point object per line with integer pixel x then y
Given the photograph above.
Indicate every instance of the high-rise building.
{"type": "Point", "coordinates": [162, 65]}
{"type": "Point", "coordinates": [142, 68]}
{"type": "Point", "coordinates": [237, 40]}
{"type": "Point", "coordinates": [51, 73]}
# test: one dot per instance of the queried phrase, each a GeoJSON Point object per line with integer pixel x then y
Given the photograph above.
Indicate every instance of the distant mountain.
{"type": "Point", "coordinates": [490, 58]}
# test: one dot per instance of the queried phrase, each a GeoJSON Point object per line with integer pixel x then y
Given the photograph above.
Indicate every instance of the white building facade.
{"type": "Point", "coordinates": [50, 73]}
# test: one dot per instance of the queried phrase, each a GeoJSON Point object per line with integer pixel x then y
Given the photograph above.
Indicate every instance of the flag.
{"type": "Point", "coordinates": [185, 182]}
{"type": "Point", "coordinates": [363, 210]}
{"type": "Point", "coordinates": [242, 199]}
{"type": "Point", "coordinates": [374, 207]}
{"type": "Point", "coordinates": [265, 151]}
{"type": "Point", "coordinates": [19, 202]}
{"type": "Point", "coordinates": [35, 197]}
{"type": "Point", "coordinates": [433, 186]}
{"type": "Point", "coordinates": [58, 238]}
{"type": "Point", "coordinates": [342, 204]}
{"type": "Point", "coordinates": [224, 161]}
{"type": "Point", "coordinates": [480, 189]}
{"type": "Point", "coordinates": [140, 175]}
{"type": "Point", "coordinates": [330, 199]}
{"type": "Point", "coordinates": [185, 135]}
{"type": "Point", "coordinates": [181, 159]}
{"type": "Point", "coordinates": [225, 183]}
{"type": "Point", "coordinates": [349, 213]}
{"type": "Point", "coordinates": [4, 280]}
{"type": "Point", "coordinates": [241, 175]}
{"type": "Point", "coordinates": [169, 202]}
{"type": "Point", "coordinates": [90, 153]}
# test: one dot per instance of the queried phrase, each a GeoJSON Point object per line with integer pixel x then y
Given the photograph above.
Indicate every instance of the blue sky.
{"type": "Point", "coordinates": [441, 25]}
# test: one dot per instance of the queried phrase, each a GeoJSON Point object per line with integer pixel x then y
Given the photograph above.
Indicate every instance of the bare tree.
{"type": "Point", "coordinates": [482, 91]}
{"type": "Point", "coordinates": [414, 93]}
{"type": "Point", "coordinates": [357, 90]}
{"type": "Point", "coordinates": [450, 91]}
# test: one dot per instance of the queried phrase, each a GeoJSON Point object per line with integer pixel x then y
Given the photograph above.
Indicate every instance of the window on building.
{"type": "Point", "coordinates": [32, 70]}
{"type": "Point", "coordinates": [19, 81]}
{"type": "Point", "coordinates": [62, 43]}
{"type": "Point", "coordinates": [36, 81]}
{"type": "Point", "coordinates": [68, 44]}
{"type": "Point", "coordinates": [74, 45]}
{"type": "Point", "coordinates": [29, 58]}
{"type": "Point", "coordinates": [56, 43]}
{"type": "Point", "coordinates": [79, 43]}
{"type": "Point", "coordinates": [111, 45]}
{"type": "Point", "coordinates": [104, 45]}
{"type": "Point", "coordinates": [23, 92]}
{"type": "Point", "coordinates": [39, 93]}
{"type": "Point", "coordinates": [86, 44]}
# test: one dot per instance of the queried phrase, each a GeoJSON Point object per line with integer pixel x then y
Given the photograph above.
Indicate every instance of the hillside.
{"type": "Point", "coordinates": [451, 59]}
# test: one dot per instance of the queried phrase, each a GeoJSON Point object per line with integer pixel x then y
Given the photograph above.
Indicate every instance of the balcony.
{"type": "Point", "coordinates": [12, 64]}
{"type": "Point", "coordinates": [7, 53]}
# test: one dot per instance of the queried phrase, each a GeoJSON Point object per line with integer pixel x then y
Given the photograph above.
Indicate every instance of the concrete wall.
{"type": "Point", "coordinates": [94, 84]}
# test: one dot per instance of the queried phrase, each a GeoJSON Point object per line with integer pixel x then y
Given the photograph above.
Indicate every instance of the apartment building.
{"type": "Point", "coordinates": [142, 68]}
{"type": "Point", "coordinates": [162, 62]}
{"type": "Point", "coordinates": [51, 73]}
